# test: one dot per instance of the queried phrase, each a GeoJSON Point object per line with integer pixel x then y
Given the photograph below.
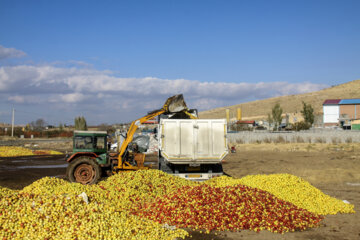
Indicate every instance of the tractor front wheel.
{"type": "Point", "coordinates": [83, 170]}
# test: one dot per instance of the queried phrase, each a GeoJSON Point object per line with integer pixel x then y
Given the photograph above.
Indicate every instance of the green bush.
{"type": "Point", "coordinates": [301, 126]}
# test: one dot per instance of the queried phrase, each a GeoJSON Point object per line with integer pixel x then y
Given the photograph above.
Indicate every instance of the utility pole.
{"type": "Point", "coordinates": [12, 122]}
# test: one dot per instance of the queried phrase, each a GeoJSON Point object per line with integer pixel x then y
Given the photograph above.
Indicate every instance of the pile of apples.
{"type": "Point", "coordinates": [150, 204]}
{"type": "Point", "coordinates": [52, 208]}
{"type": "Point", "coordinates": [6, 151]}
{"type": "Point", "coordinates": [292, 189]}
{"type": "Point", "coordinates": [12, 151]}
{"type": "Point", "coordinates": [228, 208]}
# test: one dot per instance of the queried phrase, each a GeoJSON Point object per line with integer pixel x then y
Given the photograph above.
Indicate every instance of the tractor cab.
{"type": "Point", "coordinates": [90, 141]}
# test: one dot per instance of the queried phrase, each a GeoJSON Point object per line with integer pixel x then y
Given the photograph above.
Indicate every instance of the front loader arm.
{"type": "Point", "coordinates": [130, 133]}
{"type": "Point", "coordinates": [173, 104]}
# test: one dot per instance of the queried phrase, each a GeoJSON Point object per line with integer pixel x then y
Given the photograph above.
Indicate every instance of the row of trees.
{"type": "Point", "coordinates": [40, 124]}
{"type": "Point", "coordinates": [40, 128]}
{"type": "Point", "coordinates": [37, 129]}
{"type": "Point", "coordinates": [27, 132]}
{"type": "Point", "coordinates": [275, 117]}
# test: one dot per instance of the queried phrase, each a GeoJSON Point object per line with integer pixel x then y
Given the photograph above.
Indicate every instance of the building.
{"type": "Point", "coordinates": [151, 122]}
{"type": "Point", "coordinates": [248, 123]}
{"type": "Point", "coordinates": [342, 112]}
{"type": "Point", "coordinates": [331, 110]}
{"type": "Point", "coordinates": [350, 108]}
{"type": "Point", "coordinates": [349, 112]}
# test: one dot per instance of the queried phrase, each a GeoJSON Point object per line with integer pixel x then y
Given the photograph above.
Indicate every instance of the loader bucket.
{"type": "Point", "coordinates": [175, 104]}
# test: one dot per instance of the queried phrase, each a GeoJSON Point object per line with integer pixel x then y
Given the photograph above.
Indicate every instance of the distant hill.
{"type": "Point", "coordinates": [291, 104]}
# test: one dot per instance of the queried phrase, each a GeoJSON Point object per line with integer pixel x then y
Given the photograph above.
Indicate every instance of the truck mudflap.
{"type": "Point", "coordinates": [198, 176]}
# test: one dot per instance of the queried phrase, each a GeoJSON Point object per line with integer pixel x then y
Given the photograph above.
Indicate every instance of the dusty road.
{"type": "Point", "coordinates": [18, 172]}
{"type": "Point", "coordinates": [333, 169]}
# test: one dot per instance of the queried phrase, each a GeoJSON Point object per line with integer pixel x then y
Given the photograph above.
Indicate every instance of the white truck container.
{"type": "Point", "coordinates": [192, 148]}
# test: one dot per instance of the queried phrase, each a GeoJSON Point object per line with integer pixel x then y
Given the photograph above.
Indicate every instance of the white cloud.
{"type": "Point", "coordinates": [72, 97]}
{"type": "Point", "coordinates": [75, 83]}
{"type": "Point", "coordinates": [93, 90]}
{"type": "Point", "coordinates": [10, 53]}
{"type": "Point", "coordinates": [16, 99]}
{"type": "Point", "coordinates": [25, 99]}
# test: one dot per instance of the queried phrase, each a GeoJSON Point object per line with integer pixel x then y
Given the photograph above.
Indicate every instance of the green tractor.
{"type": "Point", "coordinates": [91, 159]}
{"type": "Point", "coordinates": [90, 156]}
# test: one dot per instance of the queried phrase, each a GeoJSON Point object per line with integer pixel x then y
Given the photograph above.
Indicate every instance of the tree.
{"type": "Point", "coordinates": [80, 123]}
{"type": "Point", "coordinates": [270, 120]}
{"type": "Point", "coordinates": [27, 127]}
{"type": "Point", "coordinates": [83, 123]}
{"type": "Point", "coordinates": [61, 127]}
{"type": "Point", "coordinates": [275, 116]}
{"type": "Point", "coordinates": [38, 125]}
{"type": "Point", "coordinates": [298, 126]}
{"type": "Point", "coordinates": [308, 113]}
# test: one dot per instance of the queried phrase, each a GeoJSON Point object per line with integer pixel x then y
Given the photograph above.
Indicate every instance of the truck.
{"type": "Point", "coordinates": [192, 148]}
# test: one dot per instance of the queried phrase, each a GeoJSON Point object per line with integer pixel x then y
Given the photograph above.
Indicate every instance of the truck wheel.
{"type": "Point", "coordinates": [217, 168]}
{"type": "Point", "coordinates": [83, 170]}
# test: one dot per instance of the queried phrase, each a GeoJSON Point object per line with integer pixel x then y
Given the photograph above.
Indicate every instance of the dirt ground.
{"type": "Point", "coordinates": [334, 169]}
{"type": "Point", "coordinates": [18, 172]}
{"type": "Point", "coordinates": [63, 145]}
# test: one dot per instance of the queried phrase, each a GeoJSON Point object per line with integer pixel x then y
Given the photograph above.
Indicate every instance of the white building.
{"type": "Point", "coordinates": [331, 110]}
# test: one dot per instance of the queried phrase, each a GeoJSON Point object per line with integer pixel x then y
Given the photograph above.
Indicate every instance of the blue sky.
{"type": "Point", "coordinates": [112, 61]}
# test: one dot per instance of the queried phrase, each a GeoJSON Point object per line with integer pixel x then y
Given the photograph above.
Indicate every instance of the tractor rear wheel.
{"type": "Point", "coordinates": [83, 170]}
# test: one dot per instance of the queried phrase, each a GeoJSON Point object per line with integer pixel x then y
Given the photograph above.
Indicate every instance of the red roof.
{"type": "Point", "coordinates": [151, 121]}
{"type": "Point", "coordinates": [245, 122]}
{"type": "Point", "coordinates": [331, 101]}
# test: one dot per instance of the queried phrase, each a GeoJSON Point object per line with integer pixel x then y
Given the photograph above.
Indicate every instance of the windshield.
{"type": "Point", "coordinates": [83, 142]}
{"type": "Point", "coordinates": [100, 142]}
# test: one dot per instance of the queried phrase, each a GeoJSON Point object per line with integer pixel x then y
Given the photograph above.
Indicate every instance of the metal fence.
{"type": "Point", "coordinates": [309, 136]}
